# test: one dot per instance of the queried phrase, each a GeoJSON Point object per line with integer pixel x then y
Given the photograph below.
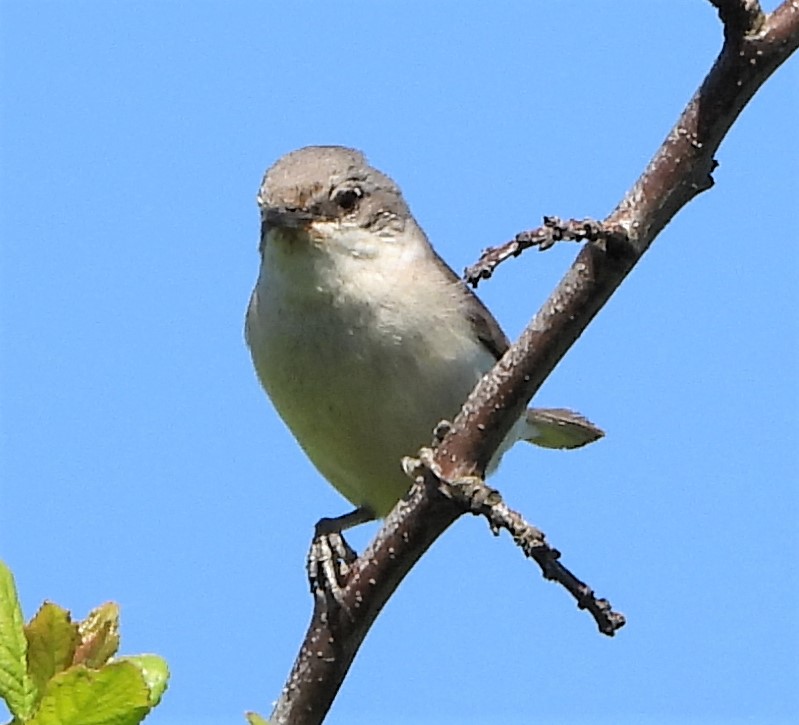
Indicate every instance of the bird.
{"type": "Point", "coordinates": [360, 333]}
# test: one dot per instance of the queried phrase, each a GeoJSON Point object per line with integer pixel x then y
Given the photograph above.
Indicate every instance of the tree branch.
{"type": "Point", "coordinates": [755, 45]}
{"type": "Point", "coordinates": [740, 17]}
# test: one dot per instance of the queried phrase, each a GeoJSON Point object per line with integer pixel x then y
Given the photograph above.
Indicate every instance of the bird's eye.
{"type": "Point", "coordinates": [348, 198]}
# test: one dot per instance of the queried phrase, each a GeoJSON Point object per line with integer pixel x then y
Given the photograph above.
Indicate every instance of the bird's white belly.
{"type": "Point", "coordinates": [358, 388]}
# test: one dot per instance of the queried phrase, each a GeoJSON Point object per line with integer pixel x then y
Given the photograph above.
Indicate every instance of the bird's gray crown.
{"type": "Point", "coordinates": [330, 182]}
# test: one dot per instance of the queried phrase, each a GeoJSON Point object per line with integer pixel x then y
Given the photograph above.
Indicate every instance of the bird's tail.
{"type": "Point", "coordinates": [559, 428]}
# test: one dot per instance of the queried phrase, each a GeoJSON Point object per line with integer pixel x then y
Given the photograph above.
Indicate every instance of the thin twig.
{"type": "Point", "coordinates": [552, 231]}
{"type": "Point", "coordinates": [478, 498]}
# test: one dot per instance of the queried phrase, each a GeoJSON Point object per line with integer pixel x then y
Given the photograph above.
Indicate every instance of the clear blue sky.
{"type": "Point", "coordinates": [142, 463]}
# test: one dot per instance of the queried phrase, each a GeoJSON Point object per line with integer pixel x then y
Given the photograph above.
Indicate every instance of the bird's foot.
{"type": "Point", "coordinates": [330, 557]}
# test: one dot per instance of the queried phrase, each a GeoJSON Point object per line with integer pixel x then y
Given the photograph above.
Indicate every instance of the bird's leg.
{"type": "Point", "coordinates": [336, 525]}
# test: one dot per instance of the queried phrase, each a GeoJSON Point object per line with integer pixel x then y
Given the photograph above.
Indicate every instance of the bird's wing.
{"type": "Point", "coordinates": [483, 323]}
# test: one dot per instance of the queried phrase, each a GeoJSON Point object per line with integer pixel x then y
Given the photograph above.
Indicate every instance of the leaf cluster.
{"type": "Point", "coordinates": [57, 671]}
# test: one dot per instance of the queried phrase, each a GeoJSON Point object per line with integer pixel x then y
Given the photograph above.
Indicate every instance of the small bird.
{"type": "Point", "coordinates": [361, 335]}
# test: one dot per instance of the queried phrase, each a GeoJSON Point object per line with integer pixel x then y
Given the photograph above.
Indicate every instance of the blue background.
{"type": "Point", "coordinates": [142, 463]}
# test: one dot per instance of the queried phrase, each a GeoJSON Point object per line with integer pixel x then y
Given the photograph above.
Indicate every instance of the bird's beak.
{"type": "Point", "coordinates": [281, 217]}
{"type": "Point", "coordinates": [284, 217]}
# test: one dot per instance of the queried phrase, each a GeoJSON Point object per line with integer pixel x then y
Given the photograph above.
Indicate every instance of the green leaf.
{"type": "Point", "coordinates": [155, 672]}
{"type": "Point", "coordinates": [255, 719]}
{"type": "Point", "coordinates": [52, 637]}
{"type": "Point", "coordinates": [113, 695]}
{"type": "Point", "coordinates": [99, 634]}
{"type": "Point", "coordinates": [16, 687]}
